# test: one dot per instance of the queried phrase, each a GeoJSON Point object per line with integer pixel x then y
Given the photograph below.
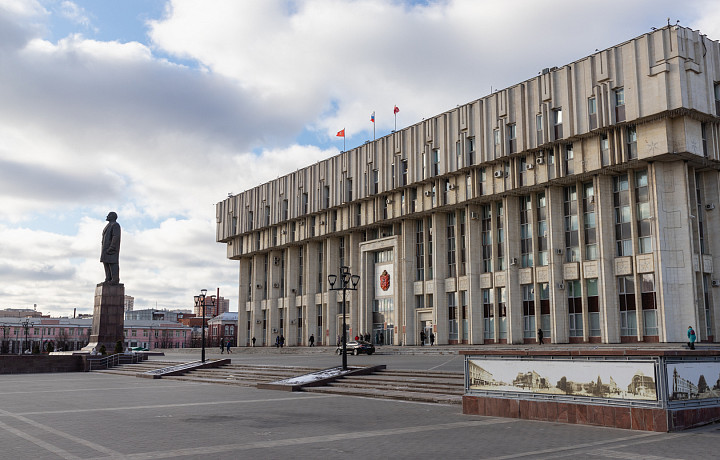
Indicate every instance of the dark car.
{"type": "Point", "coordinates": [356, 347]}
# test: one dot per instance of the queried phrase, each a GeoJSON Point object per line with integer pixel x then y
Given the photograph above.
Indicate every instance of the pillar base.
{"type": "Point", "coordinates": [108, 317]}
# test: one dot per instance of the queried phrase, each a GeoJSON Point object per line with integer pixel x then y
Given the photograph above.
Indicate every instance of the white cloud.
{"type": "Point", "coordinates": [88, 126]}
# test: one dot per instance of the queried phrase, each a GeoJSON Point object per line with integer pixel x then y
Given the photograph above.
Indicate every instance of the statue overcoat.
{"type": "Point", "coordinates": [110, 243]}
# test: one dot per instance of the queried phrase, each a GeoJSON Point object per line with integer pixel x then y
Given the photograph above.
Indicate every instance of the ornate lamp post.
{"type": "Point", "coordinates": [200, 300]}
{"type": "Point", "coordinates": [348, 282]}
{"type": "Point", "coordinates": [27, 324]}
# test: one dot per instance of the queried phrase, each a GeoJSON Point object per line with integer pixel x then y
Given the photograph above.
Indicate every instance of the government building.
{"type": "Point", "coordinates": [581, 202]}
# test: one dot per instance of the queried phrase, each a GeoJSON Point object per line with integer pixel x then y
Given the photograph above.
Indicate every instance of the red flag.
{"type": "Point", "coordinates": [396, 110]}
{"type": "Point", "coordinates": [341, 133]}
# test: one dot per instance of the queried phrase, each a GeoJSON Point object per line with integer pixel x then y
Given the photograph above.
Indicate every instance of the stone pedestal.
{"type": "Point", "coordinates": [108, 317]}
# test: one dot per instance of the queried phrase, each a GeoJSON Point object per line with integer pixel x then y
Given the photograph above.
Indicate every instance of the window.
{"type": "Point", "coordinates": [716, 89]}
{"type": "Point", "coordinates": [592, 112]}
{"type": "Point", "coordinates": [500, 238]}
{"type": "Point", "coordinates": [320, 277]}
{"type": "Point", "coordinates": [619, 104]}
{"type": "Point", "coordinates": [572, 241]}
{"type": "Point", "coordinates": [621, 199]}
{"type": "Point", "coordinates": [539, 128]}
{"type": "Point", "coordinates": [300, 272]}
{"type": "Point", "coordinates": [512, 138]}
{"type": "Point", "coordinates": [326, 196]}
{"type": "Point", "coordinates": [496, 142]}
{"type": "Point", "coordinates": [542, 230]}
{"type": "Point", "coordinates": [305, 203]}
{"type": "Point", "coordinates": [486, 237]}
{"type": "Point", "coordinates": [626, 302]}
{"type": "Point", "coordinates": [589, 224]}
{"type": "Point", "coordinates": [557, 121]}
{"type": "Point", "coordinates": [452, 272]}
{"type": "Point", "coordinates": [376, 181]}
{"type": "Point", "coordinates": [250, 220]}
{"type": "Point", "coordinates": [526, 233]}
{"type": "Point", "coordinates": [703, 135]}
{"type": "Point", "coordinates": [604, 150]}
{"type": "Point", "coordinates": [348, 189]}
{"type": "Point", "coordinates": [591, 285]}
{"type": "Point", "coordinates": [631, 137]}
{"type": "Point", "coordinates": [482, 177]}
{"type": "Point", "coordinates": [575, 308]}
{"type": "Point", "coordinates": [419, 301]}
{"type": "Point", "coordinates": [452, 317]}
{"type": "Point", "coordinates": [488, 314]}
{"type": "Point", "coordinates": [545, 308]}
{"type": "Point", "coordinates": [470, 150]}
{"type": "Point", "coordinates": [436, 162]}
{"type": "Point", "coordinates": [528, 300]}
{"type": "Point", "coordinates": [267, 216]}
{"type": "Point", "coordinates": [707, 304]}
{"type": "Point", "coordinates": [502, 312]}
{"type": "Point", "coordinates": [522, 169]}
{"type": "Point", "coordinates": [643, 214]}
{"type": "Point", "coordinates": [404, 171]}
{"type": "Point", "coordinates": [649, 304]}
{"type": "Point", "coordinates": [569, 160]}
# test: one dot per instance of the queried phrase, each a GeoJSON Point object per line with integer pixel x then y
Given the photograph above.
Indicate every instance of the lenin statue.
{"type": "Point", "coordinates": [111, 249]}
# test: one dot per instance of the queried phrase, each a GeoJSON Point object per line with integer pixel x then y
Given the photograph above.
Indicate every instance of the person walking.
{"type": "Point", "coordinates": [282, 340]}
{"type": "Point", "coordinates": [277, 341]}
{"type": "Point", "coordinates": [228, 347]}
{"type": "Point", "coordinates": [540, 336]}
{"type": "Point", "coordinates": [312, 340]}
{"type": "Point", "coordinates": [432, 339]}
{"type": "Point", "coordinates": [253, 341]}
{"type": "Point", "coordinates": [222, 346]}
{"type": "Point", "coordinates": [691, 337]}
{"type": "Point", "coordinates": [422, 338]}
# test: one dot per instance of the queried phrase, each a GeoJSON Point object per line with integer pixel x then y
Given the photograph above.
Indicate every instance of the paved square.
{"type": "Point", "coordinates": [94, 416]}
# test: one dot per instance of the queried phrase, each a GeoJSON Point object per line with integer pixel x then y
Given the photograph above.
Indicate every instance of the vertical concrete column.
{"type": "Point", "coordinates": [332, 247]}
{"type": "Point", "coordinates": [256, 302]}
{"type": "Point", "coordinates": [244, 315]}
{"type": "Point", "coordinates": [314, 295]}
{"type": "Point", "coordinates": [440, 273]}
{"type": "Point", "coordinates": [405, 267]}
{"type": "Point", "coordinates": [674, 273]}
{"type": "Point", "coordinates": [711, 191]}
{"type": "Point", "coordinates": [559, 320]}
{"type": "Point", "coordinates": [513, 290]}
{"type": "Point", "coordinates": [291, 287]}
{"type": "Point", "coordinates": [474, 269]}
{"type": "Point", "coordinates": [353, 298]}
{"type": "Point", "coordinates": [607, 282]}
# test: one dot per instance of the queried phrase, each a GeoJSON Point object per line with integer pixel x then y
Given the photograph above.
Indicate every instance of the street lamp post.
{"type": "Point", "coordinates": [27, 324]}
{"type": "Point", "coordinates": [348, 282]}
{"type": "Point", "coordinates": [200, 300]}
{"type": "Point", "coordinates": [5, 327]}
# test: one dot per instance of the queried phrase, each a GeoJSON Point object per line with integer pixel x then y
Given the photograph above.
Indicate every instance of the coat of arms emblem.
{"type": "Point", "coordinates": [385, 280]}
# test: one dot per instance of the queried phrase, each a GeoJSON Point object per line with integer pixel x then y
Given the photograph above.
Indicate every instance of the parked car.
{"type": "Point", "coordinates": [139, 349]}
{"type": "Point", "coordinates": [356, 347]}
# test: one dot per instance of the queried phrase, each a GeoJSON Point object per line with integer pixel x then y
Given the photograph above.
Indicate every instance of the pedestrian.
{"type": "Point", "coordinates": [338, 340]}
{"type": "Point", "coordinates": [282, 340]}
{"type": "Point", "coordinates": [691, 337]}
{"type": "Point", "coordinates": [228, 347]}
{"type": "Point", "coordinates": [253, 341]}
{"type": "Point", "coordinates": [540, 336]}
{"type": "Point", "coordinates": [222, 348]}
{"type": "Point", "coordinates": [432, 339]}
{"type": "Point", "coordinates": [422, 338]}
{"type": "Point", "coordinates": [277, 341]}
{"type": "Point", "coordinates": [356, 338]}
{"type": "Point", "coordinates": [312, 340]}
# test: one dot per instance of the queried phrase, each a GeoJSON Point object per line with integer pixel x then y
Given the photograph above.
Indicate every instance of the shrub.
{"type": "Point", "coordinates": [118, 346]}
{"type": "Point", "coordinates": [103, 350]}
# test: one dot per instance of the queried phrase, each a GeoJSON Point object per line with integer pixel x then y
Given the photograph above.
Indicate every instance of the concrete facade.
{"type": "Point", "coordinates": [579, 201]}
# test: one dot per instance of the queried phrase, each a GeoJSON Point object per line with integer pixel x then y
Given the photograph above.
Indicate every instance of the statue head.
{"type": "Point", "coordinates": [111, 217]}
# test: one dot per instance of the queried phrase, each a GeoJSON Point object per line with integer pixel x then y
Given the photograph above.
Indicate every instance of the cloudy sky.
{"type": "Point", "coordinates": [157, 109]}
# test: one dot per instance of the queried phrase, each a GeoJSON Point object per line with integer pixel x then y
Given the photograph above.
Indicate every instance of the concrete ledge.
{"type": "Point", "coordinates": [36, 364]}
{"type": "Point", "coordinates": [317, 378]}
{"type": "Point", "coordinates": [181, 369]}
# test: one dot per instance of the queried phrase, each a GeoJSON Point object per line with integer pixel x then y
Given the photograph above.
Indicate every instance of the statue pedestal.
{"type": "Point", "coordinates": [108, 317]}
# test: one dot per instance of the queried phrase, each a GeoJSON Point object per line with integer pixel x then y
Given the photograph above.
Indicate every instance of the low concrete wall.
{"type": "Point", "coordinates": [36, 364]}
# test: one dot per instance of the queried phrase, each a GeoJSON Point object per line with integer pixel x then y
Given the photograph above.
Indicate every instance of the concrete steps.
{"type": "Point", "coordinates": [409, 385]}
{"type": "Point", "coordinates": [428, 386]}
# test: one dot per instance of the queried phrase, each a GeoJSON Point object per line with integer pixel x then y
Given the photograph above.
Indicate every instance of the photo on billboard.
{"type": "Point", "coordinates": [693, 380]}
{"type": "Point", "coordinates": [600, 379]}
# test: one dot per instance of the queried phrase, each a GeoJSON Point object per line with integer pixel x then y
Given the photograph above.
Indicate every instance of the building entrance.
{"type": "Point", "coordinates": [426, 326]}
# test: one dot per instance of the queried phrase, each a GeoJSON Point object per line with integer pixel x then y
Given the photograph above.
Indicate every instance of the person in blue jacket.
{"type": "Point", "coordinates": [691, 337]}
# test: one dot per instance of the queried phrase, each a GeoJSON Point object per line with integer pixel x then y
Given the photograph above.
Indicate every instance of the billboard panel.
{"type": "Point", "coordinates": [693, 380]}
{"type": "Point", "coordinates": [629, 380]}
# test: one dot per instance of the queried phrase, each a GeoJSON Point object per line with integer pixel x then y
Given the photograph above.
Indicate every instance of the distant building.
{"type": "Point", "coordinates": [129, 302]}
{"type": "Point", "coordinates": [61, 333]}
{"type": "Point", "coordinates": [153, 334]}
{"type": "Point", "coordinates": [153, 314]}
{"type": "Point", "coordinates": [20, 313]}
{"type": "Point", "coordinates": [223, 327]}
{"type": "Point", "coordinates": [213, 306]}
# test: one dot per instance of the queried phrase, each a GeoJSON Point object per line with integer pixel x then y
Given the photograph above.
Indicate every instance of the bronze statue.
{"type": "Point", "coordinates": [111, 249]}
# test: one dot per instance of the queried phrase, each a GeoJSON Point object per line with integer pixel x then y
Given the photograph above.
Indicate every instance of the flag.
{"type": "Point", "coordinates": [396, 110]}
{"type": "Point", "coordinates": [372, 117]}
{"type": "Point", "coordinates": [341, 133]}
